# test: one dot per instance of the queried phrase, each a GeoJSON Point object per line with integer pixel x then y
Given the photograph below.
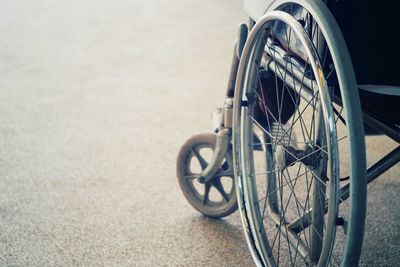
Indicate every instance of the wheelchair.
{"type": "Point", "coordinates": [288, 147]}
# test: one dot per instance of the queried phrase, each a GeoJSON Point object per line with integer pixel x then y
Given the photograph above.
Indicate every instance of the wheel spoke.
{"type": "Point", "coordinates": [191, 176]}
{"type": "Point", "coordinates": [202, 161]}
{"type": "Point", "coordinates": [207, 188]}
{"type": "Point", "coordinates": [218, 185]}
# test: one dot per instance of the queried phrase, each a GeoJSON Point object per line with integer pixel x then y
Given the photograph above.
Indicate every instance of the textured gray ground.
{"type": "Point", "coordinates": [96, 98]}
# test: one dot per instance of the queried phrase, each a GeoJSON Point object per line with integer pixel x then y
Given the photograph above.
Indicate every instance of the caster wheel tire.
{"type": "Point", "coordinates": [217, 197]}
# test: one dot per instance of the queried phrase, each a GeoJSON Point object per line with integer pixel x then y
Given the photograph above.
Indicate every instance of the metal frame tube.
{"type": "Point", "coordinates": [221, 147]}
{"type": "Point", "coordinates": [379, 125]}
{"type": "Point", "coordinates": [373, 172]}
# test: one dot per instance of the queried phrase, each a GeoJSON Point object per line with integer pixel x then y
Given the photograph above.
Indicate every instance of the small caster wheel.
{"type": "Point", "coordinates": [217, 197]}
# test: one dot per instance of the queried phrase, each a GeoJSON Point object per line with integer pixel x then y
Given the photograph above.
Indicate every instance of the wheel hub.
{"type": "Point", "coordinates": [286, 156]}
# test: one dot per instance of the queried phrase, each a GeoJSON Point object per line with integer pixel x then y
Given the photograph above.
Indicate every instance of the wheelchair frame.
{"type": "Point", "coordinates": [225, 128]}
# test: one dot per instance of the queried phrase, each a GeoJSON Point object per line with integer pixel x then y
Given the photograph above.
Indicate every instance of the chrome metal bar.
{"type": "Point", "coordinates": [369, 119]}
{"type": "Point", "coordinates": [381, 126]}
{"type": "Point", "coordinates": [292, 65]}
{"type": "Point", "coordinates": [375, 170]}
{"type": "Point", "coordinates": [292, 81]}
{"type": "Point", "coordinates": [301, 223]}
{"type": "Point", "coordinates": [239, 44]}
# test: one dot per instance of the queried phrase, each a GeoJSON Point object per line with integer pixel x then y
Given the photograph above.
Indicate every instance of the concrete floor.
{"type": "Point", "coordinates": [96, 98]}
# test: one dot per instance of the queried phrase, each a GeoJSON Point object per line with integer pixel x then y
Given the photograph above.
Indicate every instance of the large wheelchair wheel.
{"type": "Point", "coordinates": [299, 141]}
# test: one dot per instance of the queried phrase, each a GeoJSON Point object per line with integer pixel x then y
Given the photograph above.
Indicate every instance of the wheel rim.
{"type": "Point", "coordinates": [257, 235]}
